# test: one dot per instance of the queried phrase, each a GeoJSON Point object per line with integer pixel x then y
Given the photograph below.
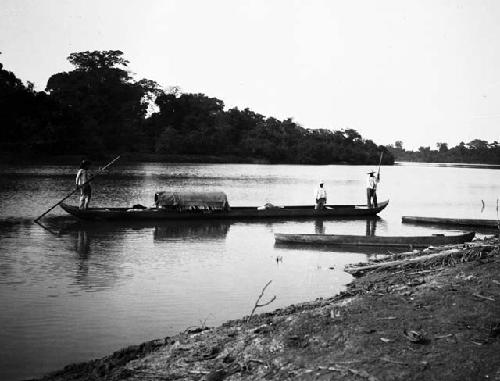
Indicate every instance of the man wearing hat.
{"type": "Point", "coordinates": [82, 182]}
{"type": "Point", "coordinates": [371, 189]}
{"type": "Point", "coordinates": [320, 197]}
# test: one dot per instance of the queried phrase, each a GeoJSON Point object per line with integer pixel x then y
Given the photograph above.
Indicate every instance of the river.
{"type": "Point", "coordinates": [72, 291]}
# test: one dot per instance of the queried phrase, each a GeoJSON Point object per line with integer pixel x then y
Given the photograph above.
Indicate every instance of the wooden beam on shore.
{"type": "Point", "coordinates": [356, 270]}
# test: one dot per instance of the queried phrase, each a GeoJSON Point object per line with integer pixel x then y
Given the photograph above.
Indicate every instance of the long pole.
{"type": "Point", "coordinates": [380, 162]}
{"type": "Point", "coordinates": [74, 190]}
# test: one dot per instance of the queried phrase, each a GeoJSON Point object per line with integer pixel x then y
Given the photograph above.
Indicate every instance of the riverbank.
{"type": "Point", "coordinates": [432, 320]}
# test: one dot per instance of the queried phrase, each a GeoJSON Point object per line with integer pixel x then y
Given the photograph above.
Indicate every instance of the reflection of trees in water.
{"type": "Point", "coordinates": [9, 228]}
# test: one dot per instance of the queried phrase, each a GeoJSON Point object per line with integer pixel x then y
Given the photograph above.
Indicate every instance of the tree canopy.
{"type": "Point", "coordinates": [476, 151]}
{"type": "Point", "coordinates": [98, 107]}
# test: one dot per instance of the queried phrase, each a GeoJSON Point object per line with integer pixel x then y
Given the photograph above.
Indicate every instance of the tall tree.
{"type": "Point", "coordinates": [110, 103]}
{"type": "Point", "coordinates": [442, 147]}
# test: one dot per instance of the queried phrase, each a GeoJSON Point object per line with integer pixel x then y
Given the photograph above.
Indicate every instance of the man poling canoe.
{"type": "Point", "coordinates": [79, 186]}
{"type": "Point", "coordinates": [371, 185]}
{"type": "Point", "coordinates": [82, 182]}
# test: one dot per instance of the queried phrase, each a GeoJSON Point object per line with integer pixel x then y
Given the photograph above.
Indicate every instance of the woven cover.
{"type": "Point", "coordinates": [200, 200]}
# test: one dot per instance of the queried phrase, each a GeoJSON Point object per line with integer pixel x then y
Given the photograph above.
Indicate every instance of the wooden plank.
{"type": "Point", "coordinates": [450, 221]}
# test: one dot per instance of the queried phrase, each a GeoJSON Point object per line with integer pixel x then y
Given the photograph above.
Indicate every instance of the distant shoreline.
{"type": "Point", "coordinates": [450, 164]}
{"type": "Point", "coordinates": [6, 159]}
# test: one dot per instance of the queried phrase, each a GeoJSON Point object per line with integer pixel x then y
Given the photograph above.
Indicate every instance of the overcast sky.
{"type": "Point", "coordinates": [417, 71]}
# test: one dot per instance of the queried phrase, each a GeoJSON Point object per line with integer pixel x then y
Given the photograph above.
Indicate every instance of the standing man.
{"type": "Point", "coordinates": [320, 197]}
{"type": "Point", "coordinates": [82, 182]}
{"type": "Point", "coordinates": [371, 189]}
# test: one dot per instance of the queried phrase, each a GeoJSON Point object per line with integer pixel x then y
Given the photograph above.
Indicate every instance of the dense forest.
{"type": "Point", "coordinates": [476, 151]}
{"type": "Point", "coordinates": [98, 108]}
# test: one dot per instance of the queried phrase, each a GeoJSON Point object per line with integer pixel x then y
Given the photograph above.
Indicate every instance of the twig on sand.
{"type": "Point", "coordinates": [257, 361]}
{"type": "Point", "coordinates": [484, 297]}
{"type": "Point", "coordinates": [198, 371]}
{"type": "Point", "coordinates": [257, 305]}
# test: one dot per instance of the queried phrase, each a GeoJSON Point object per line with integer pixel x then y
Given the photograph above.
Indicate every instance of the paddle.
{"type": "Point", "coordinates": [75, 190]}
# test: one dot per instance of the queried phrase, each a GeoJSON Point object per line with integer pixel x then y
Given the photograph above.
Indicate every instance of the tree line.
{"type": "Point", "coordinates": [99, 108]}
{"type": "Point", "coordinates": [476, 151]}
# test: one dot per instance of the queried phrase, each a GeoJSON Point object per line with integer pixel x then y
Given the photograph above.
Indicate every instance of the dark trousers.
{"type": "Point", "coordinates": [371, 194]}
{"type": "Point", "coordinates": [320, 203]}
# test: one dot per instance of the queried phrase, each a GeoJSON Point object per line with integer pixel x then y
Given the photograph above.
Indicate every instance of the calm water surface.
{"type": "Point", "coordinates": [75, 291]}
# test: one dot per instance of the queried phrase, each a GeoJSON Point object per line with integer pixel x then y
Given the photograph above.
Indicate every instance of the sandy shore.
{"type": "Point", "coordinates": [437, 319]}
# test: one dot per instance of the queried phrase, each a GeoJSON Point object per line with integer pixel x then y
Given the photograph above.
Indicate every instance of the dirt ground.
{"type": "Point", "coordinates": [435, 320]}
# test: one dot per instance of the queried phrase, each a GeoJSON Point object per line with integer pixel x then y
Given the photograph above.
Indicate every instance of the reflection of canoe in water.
{"type": "Point", "coordinates": [162, 230]}
{"type": "Point", "coordinates": [190, 229]}
{"type": "Point", "coordinates": [236, 213]}
{"type": "Point", "coordinates": [360, 240]}
{"type": "Point", "coordinates": [451, 221]}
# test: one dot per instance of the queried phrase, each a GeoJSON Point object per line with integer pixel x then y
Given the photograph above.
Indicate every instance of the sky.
{"type": "Point", "coordinates": [421, 72]}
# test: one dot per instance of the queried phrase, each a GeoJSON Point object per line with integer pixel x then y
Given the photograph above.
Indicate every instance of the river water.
{"type": "Point", "coordinates": [72, 291]}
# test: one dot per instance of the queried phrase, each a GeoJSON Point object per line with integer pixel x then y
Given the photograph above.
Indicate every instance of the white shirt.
{"type": "Point", "coordinates": [321, 193]}
{"type": "Point", "coordinates": [81, 177]}
{"type": "Point", "coordinates": [372, 182]}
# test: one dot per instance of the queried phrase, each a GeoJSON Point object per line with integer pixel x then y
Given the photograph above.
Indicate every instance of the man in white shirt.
{"type": "Point", "coordinates": [371, 189]}
{"type": "Point", "coordinates": [320, 197]}
{"type": "Point", "coordinates": [82, 182]}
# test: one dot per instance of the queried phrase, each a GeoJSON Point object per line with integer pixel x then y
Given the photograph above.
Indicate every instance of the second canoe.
{"type": "Point", "coordinates": [363, 240]}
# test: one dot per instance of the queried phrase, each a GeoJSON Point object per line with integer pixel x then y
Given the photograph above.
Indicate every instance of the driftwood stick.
{"type": "Point", "coordinates": [257, 305]}
{"type": "Point", "coordinates": [484, 297]}
{"type": "Point", "coordinates": [355, 270]}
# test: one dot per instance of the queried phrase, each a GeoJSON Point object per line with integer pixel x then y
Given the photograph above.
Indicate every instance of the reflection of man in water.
{"type": "Point", "coordinates": [82, 244]}
{"type": "Point", "coordinates": [371, 227]}
{"type": "Point", "coordinates": [318, 227]}
{"type": "Point", "coordinates": [320, 197]}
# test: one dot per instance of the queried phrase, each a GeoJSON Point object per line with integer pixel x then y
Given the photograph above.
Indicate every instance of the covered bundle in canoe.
{"type": "Point", "coordinates": [182, 201]}
{"type": "Point", "coordinates": [360, 240]}
{"type": "Point", "coordinates": [214, 205]}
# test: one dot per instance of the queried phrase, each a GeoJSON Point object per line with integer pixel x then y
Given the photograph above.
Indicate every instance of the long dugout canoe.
{"type": "Point", "coordinates": [361, 240]}
{"type": "Point", "coordinates": [235, 213]}
{"type": "Point", "coordinates": [450, 221]}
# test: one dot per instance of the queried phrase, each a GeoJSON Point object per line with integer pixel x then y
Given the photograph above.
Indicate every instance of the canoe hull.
{"type": "Point", "coordinates": [358, 240]}
{"type": "Point", "coordinates": [236, 213]}
{"type": "Point", "coordinates": [450, 221]}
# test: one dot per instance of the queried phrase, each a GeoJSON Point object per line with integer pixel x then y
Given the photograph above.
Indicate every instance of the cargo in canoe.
{"type": "Point", "coordinates": [363, 240]}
